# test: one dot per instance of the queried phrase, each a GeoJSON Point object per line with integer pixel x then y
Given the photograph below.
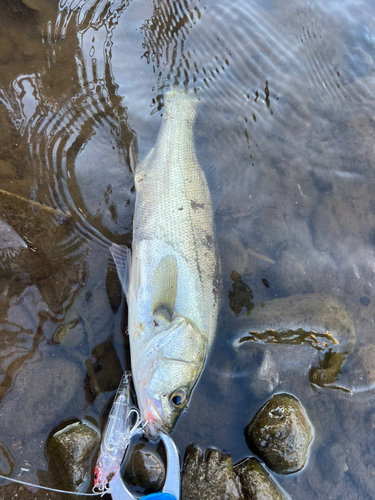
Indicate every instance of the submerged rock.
{"type": "Point", "coordinates": [209, 478]}
{"type": "Point", "coordinates": [257, 483]}
{"type": "Point", "coordinates": [215, 478]}
{"type": "Point", "coordinates": [145, 468]}
{"type": "Point", "coordinates": [280, 434]}
{"type": "Point", "coordinates": [70, 452]}
{"type": "Point", "coordinates": [314, 319]}
{"type": "Point", "coordinates": [319, 321]}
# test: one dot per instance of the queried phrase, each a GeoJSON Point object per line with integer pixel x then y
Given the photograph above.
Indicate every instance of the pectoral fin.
{"type": "Point", "coordinates": [164, 287]}
{"type": "Point", "coordinates": [122, 257]}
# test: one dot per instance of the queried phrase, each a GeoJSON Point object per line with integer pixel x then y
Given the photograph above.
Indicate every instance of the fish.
{"type": "Point", "coordinates": [171, 277]}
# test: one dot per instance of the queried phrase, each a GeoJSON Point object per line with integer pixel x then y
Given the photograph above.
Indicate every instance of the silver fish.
{"type": "Point", "coordinates": [172, 278]}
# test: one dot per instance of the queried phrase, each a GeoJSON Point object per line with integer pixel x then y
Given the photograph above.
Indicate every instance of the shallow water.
{"type": "Point", "coordinates": [288, 122]}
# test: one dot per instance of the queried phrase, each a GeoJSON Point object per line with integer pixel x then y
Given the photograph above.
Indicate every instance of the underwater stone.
{"type": "Point", "coordinates": [280, 434]}
{"type": "Point", "coordinates": [70, 452]}
{"type": "Point", "coordinates": [257, 483]}
{"type": "Point", "coordinates": [317, 314]}
{"type": "Point", "coordinates": [209, 478]}
{"type": "Point", "coordinates": [145, 468]}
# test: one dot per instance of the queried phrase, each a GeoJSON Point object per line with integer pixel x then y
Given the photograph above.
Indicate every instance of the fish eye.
{"type": "Point", "coordinates": [178, 398]}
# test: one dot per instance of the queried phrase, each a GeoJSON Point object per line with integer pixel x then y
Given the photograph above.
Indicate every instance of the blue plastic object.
{"type": "Point", "coordinates": [159, 496]}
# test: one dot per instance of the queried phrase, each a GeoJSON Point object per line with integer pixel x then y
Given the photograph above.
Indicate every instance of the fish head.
{"type": "Point", "coordinates": [167, 373]}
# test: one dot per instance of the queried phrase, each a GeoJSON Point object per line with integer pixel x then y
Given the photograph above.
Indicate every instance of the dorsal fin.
{"type": "Point", "coordinates": [164, 286]}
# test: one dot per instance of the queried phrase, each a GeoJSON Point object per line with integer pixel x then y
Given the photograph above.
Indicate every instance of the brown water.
{"type": "Point", "coordinates": [287, 121]}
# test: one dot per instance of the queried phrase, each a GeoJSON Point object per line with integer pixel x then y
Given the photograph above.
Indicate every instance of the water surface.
{"type": "Point", "coordinates": [286, 121]}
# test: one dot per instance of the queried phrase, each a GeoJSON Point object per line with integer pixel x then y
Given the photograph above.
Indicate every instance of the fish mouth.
{"type": "Point", "coordinates": [153, 415]}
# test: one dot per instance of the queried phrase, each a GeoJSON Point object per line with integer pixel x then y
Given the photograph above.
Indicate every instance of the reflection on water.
{"type": "Point", "coordinates": [287, 120]}
{"type": "Point", "coordinates": [58, 120]}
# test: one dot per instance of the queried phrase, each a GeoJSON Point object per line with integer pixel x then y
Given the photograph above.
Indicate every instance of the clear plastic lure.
{"type": "Point", "coordinates": [116, 437]}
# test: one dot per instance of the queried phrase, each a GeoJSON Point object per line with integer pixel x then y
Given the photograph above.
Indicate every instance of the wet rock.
{"type": "Point", "coordinates": [15, 491]}
{"type": "Point", "coordinates": [280, 434]}
{"type": "Point", "coordinates": [318, 320]}
{"type": "Point", "coordinates": [257, 483]}
{"type": "Point", "coordinates": [209, 478]}
{"type": "Point", "coordinates": [70, 452]}
{"type": "Point", "coordinates": [145, 468]}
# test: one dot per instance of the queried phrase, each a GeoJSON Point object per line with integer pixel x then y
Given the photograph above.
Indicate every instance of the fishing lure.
{"type": "Point", "coordinates": [116, 437]}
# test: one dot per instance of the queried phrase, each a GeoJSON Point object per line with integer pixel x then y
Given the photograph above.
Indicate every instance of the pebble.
{"type": "Point", "coordinates": [280, 433]}
{"type": "Point", "coordinates": [209, 478]}
{"type": "Point", "coordinates": [145, 468]}
{"type": "Point", "coordinates": [70, 452]}
{"type": "Point", "coordinates": [257, 482]}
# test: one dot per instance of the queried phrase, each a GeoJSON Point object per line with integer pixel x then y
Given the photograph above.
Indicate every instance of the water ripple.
{"type": "Point", "coordinates": [58, 128]}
